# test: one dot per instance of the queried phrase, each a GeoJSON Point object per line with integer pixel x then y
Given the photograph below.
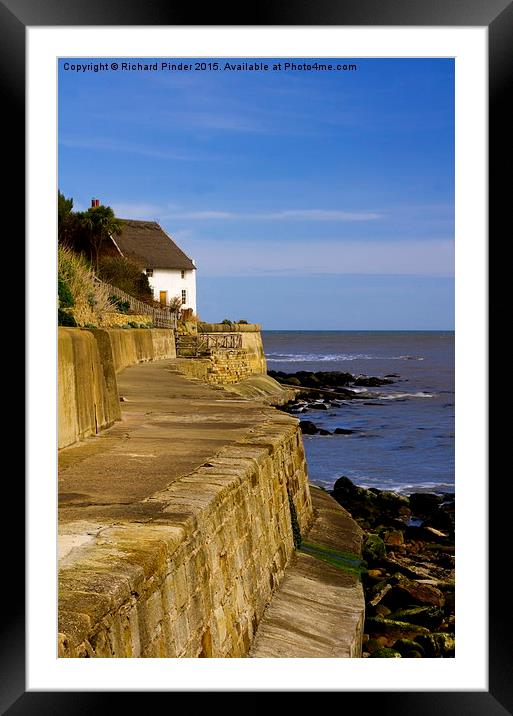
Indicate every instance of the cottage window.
{"type": "Point", "coordinates": [149, 272]}
{"type": "Point", "coordinates": [184, 297]}
{"type": "Point", "coordinates": [183, 273]}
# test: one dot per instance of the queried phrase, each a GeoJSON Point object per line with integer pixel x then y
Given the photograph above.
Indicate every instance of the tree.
{"type": "Point", "coordinates": [124, 274]}
{"type": "Point", "coordinates": [100, 223]}
{"type": "Point", "coordinates": [67, 224]}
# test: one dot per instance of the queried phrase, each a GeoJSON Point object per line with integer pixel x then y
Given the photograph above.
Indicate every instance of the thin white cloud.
{"type": "Point", "coordinates": [434, 257]}
{"type": "Point", "coordinates": [284, 215]}
{"type": "Point", "coordinates": [194, 215]}
{"type": "Point", "coordinates": [129, 148]}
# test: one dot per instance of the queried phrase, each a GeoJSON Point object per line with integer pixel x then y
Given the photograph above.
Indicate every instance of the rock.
{"type": "Point", "coordinates": [376, 573]}
{"type": "Point", "coordinates": [374, 548]}
{"type": "Point", "coordinates": [394, 538]}
{"type": "Point", "coordinates": [382, 611]}
{"type": "Point", "coordinates": [405, 566]}
{"type": "Point", "coordinates": [386, 653]}
{"type": "Point", "coordinates": [373, 645]}
{"type": "Point", "coordinates": [345, 486]}
{"type": "Point", "coordinates": [418, 592]}
{"type": "Point", "coordinates": [320, 406]}
{"type": "Point", "coordinates": [406, 646]}
{"type": "Point", "coordinates": [393, 629]}
{"type": "Point", "coordinates": [442, 520]}
{"type": "Point", "coordinates": [322, 431]}
{"type": "Point", "coordinates": [425, 504]}
{"type": "Point", "coordinates": [391, 501]}
{"type": "Point", "coordinates": [343, 431]}
{"type": "Point", "coordinates": [334, 378]}
{"type": "Point", "coordinates": [308, 428]}
{"type": "Point", "coordinates": [439, 644]}
{"type": "Point", "coordinates": [430, 617]}
{"type": "Point", "coordinates": [434, 532]}
{"type": "Point", "coordinates": [371, 382]}
{"type": "Point", "coordinates": [291, 380]}
{"type": "Point", "coordinates": [384, 588]}
{"type": "Point", "coordinates": [425, 534]}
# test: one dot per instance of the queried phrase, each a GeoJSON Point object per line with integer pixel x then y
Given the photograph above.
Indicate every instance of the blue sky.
{"type": "Point", "coordinates": [309, 200]}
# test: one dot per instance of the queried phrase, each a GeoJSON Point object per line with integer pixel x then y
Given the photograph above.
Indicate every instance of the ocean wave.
{"type": "Point", "coordinates": [398, 396]}
{"type": "Point", "coordinates": [391, 485]}
{"type": "Point", "coordinates": [330, 357]}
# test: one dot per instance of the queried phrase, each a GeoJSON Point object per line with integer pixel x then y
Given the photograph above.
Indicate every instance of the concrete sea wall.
{"type": "Point", "coordinates": [194, 582]}
{"type": "Point", "coordinates": [88, 399]}
{"type": "Point", "coordinates": [130, 346]}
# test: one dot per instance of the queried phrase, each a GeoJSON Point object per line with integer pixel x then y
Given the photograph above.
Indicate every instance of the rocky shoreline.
{"type": "Point", "coordinates": [408, 577]}
{"type": "Point", "coordinates": [325, 390]}
{"type": "Point", "coordinates": [408, 570]}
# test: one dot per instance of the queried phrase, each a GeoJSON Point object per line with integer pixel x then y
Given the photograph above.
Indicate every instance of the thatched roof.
{"type": "Point", "coordinates": [148, 245]}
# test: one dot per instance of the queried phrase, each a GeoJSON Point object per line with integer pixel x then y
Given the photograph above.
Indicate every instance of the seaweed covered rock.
{"type": "Point", "coordinates": [440, 644]}
{"type": "Point", "coordinates": [374, 548]}
{"type": "Point", "coordinates": [407, 647]}
{"type": "Point", "coordinates": [430, 617]}
{"type": "Point", "coordinates": [385, 653]}
{"type": "Point", "coordinates": [393, 629]}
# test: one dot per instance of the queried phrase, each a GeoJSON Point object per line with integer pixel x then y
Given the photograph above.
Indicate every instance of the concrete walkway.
{"type": "Point", "coordinates": [318, 610]}
{"type": "Point", "coordinates": [169, 428]}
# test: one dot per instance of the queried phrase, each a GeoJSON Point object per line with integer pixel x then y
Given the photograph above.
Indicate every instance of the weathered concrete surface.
{"type": "Point", "coordinates": [318, 610]}
{"type": "Point", "coordinates": [87, 399]}
{"type": "Point", "coordinates": [174, 525]}
{"type": "Point", "coordinates": [264, 388]}
{"type": "Point", "coordinates": [88, 363]}
{"type": "Point", "coordinates": [137, 345]}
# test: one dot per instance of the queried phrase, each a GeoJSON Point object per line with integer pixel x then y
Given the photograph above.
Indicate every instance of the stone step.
{"type": "Point", "coordinates": [319, 609]}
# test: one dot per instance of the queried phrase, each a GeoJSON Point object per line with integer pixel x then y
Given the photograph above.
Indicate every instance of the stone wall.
{"type": "Point", "coordinates": [221, 367]}
{"type": "Point", "coordinates": [88, 399]}
{"type": "Point", "coordinates": [123, 319]}
{"type": "Point", "coordinates": [194, 582]}
{"type": "Point", "coordinates": [251, 337]}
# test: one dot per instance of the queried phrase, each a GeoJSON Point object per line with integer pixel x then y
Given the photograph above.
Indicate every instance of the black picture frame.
{"type": "Point", "coordinates": [497, 15]}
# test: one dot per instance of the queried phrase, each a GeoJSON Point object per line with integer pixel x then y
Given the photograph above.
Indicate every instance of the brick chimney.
{"type": "Point", "coordinates": [95, 203]}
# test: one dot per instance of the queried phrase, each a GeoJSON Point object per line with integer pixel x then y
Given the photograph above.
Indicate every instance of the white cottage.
{"type": "Point", "coordinates": [170, 271]}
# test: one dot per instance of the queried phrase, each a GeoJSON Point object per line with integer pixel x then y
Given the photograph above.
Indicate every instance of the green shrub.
{"type": "Point", "coordinates": [121, 306]}
{"type": "Point", "coordinates": [226, 322]}
{"type": "Point", "coordinates": [66, 319]}
{"type": "Point", "coordinates": [244, 322]}
{"type": "Point", "coordinates": [65, 295]}
{"type": "Point", "coordinates": [133, 324]}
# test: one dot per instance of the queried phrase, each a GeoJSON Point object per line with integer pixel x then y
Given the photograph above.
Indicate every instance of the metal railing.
{"type": "Point", "coordinates": [223, 340]}
{"type": "Point", "coordinates": [190, 346]}
{"type": "Point", "coordinates": [162, 317]}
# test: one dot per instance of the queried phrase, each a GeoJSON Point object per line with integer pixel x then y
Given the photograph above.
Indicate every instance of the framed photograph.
{"type": "Point", "coordinates": [302, 204]}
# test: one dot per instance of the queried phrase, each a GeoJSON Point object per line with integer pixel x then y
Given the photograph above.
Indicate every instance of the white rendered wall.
{"type": "Point", "coordinates": [171, 280]}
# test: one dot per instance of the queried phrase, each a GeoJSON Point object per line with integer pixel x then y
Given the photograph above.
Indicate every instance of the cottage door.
{"type": "Point", "coordinates": [163, 298]}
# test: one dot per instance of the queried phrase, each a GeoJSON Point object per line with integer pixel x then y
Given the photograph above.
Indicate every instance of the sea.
{"type": "Point", "coordinates": [404, 437]}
